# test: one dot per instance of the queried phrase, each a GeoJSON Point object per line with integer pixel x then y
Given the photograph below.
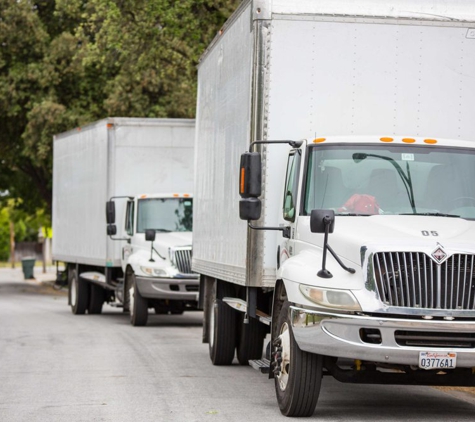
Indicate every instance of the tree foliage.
{"type": "Point", "coordinates": [65, 63]}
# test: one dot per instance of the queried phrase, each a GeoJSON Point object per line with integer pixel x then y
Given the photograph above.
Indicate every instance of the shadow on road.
{"type": "Point", "coordinates": [188, 319]}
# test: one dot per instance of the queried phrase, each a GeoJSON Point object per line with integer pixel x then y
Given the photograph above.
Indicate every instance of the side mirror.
{"type": "Point", "coordinates": [111, 230]}
{"type": "Point", "coordinates": [250, 209]}
{"type": "Point", "coordinates": [250, 175]}
{"type": "Point", "coordinates": [110, 212]}
{"type": "Point", "coordinates": [250, 186]}
{"type": "Point", "coordinates": [150, 235]}
{"type": "Point", "coordinates": [320, 219]}
{"type": "Point", "coordinates": [289, 208]}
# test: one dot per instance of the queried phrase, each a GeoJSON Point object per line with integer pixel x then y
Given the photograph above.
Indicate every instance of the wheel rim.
{"type": "Point", "coordinates": [74, 293]}
{"type": "Point", "coordinates": [131, 300]}
{"type": "Point", "coordinates": [211, 324]}
{"type": "Point", "coordinates": [284, 373]}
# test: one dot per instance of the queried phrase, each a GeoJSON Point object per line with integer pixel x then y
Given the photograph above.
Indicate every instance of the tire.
{"type": "Point", "coordinates": [78, 293]}
{"type": "Point", "coordinates": [222, 327]}
{"type": "Point", "coordinates": [96, 299]}
{"type": "Point", "coordinates": [298, 374]}
{"type": "Point", "coordinates": [138, 304]}
{"type": "Point", "coordinates": [250, 340]}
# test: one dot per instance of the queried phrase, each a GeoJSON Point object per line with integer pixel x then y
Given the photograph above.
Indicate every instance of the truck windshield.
{"type": "Point", "coordinates": [165, 214]}
{"type": "Point", "coordinates": [396, 179]}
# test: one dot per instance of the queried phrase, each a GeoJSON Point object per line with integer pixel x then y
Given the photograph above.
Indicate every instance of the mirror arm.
{"type": "Point", "coordinates": [349, 269]}
{"type": "Point", "coordinates": [293, 144]}
{"type": "Point", "coordinates": [285, 230]}
{"type": "Point", "coordinates": [324, 273]}
{"type": "Point", "coordinates": [154, 250]}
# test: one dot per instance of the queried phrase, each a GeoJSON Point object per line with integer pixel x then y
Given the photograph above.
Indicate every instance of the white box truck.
{"type": "Point", "coordinates": [122, 215]}
{"type": "Point", "coordinates": [359, 250]}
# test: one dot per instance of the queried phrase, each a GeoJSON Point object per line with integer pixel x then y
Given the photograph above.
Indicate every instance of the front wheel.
{"type": "Point", "coordinates": [222, 326]}
{"type": "Point", "coordinates": [298, 374]}
{"type": "Point", "coordinates": [138, 304]}
{"type": "Point", "coordinates": [78, 293]}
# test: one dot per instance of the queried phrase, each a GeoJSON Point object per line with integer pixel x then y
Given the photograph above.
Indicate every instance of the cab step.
{"type": "Point", "coordinates": [261, 365]}
{"type": "Point", "coordinates": [241, 306]}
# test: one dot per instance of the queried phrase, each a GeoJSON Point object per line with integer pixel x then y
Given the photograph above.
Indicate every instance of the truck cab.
{"type": "Point", "coordinates": [375, 278]}
{"type": "Point", "coordinates": [156, 255]}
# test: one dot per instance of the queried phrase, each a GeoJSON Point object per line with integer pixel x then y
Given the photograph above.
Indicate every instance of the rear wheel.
{"type": "Point", "coordinates": [96, 299]}
{"type": "Point", "coordinates": [222, 326]}
{"type": "Point", "coordinates": [298, 374]}
{"type": "Point", "coordinates": [250, 340]}
{"type": "Point", "coordinates": [78, 293]}
{"type": "Point", "coordinates": [138, 304]}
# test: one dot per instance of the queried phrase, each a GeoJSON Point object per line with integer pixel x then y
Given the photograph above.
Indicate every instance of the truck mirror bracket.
{"type": "Point", "coordinates": [293, 144]}
{"type": "Point", "coordinates": [325, 219]}
{"type": "Point", "coordinates": [285, 230]}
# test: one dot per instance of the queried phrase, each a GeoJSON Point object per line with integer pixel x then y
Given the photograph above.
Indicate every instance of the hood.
{"type": "Point", "coordinates": [164, 241]}
{"type": "Point", "coordinates": [173, 239]}
{"type": "Point", "coordinates": [401, 233]}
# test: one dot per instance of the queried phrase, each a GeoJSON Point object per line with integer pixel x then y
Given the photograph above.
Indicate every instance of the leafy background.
{"type": "Point", "coordinates": [66, 63]}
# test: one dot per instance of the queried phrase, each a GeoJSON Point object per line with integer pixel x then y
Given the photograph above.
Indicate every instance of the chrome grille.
{"type": "Point", "coordinates": [414, 280]}
{"type": "Point", "coordinates": [182, 260]}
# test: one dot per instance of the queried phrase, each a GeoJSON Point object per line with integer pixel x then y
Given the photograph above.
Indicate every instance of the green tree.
{"type": "Point", "coordinates": [65, 63]}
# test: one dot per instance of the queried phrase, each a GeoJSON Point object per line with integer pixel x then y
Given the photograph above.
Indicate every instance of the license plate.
{"type": "Point", "coordinates": [437, 360]}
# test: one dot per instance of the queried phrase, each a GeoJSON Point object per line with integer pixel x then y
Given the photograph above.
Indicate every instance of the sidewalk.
{"type": "Point", "coordinates": [16, 274]}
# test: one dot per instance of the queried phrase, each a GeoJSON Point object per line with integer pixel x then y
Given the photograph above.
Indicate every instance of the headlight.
{"type": "Point", "coordinates": [328, 298]}
{"type": "Point", "coordinates": [157, 272]}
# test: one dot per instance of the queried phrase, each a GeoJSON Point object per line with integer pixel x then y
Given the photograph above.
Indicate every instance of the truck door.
{"type": "Point", "coordinates": [290, 204]}
{"type": "Point", "coordinates": [127, 249]}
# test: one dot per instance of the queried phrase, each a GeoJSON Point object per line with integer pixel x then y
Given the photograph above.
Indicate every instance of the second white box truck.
{"type": "Point", "coordinates": [358, 187]}
{"type": "Point", "coordinates": [136, 252]}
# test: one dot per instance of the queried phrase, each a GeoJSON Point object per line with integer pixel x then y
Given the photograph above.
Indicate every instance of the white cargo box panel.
{"type": "Point", "coordinates": [318, 69]}
{"type": "Point", "coordinates": [113, 157]}
{"type": "Point", "coordinates": [224, 113]}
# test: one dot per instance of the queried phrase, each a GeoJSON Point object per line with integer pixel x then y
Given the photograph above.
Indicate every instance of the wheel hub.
{"type": "Point", "coordinates": [73, 292]}
{"type": "Point", "coordinates": [282, 357]}
{"type": "Point", "coordinates": [131, 300]}
{"type": "Point", "coordinates": [211, 325]}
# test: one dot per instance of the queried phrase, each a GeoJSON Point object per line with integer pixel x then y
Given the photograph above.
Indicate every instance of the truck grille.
{"type": "Point", "coordinates": [414, 280]}
{"type": "Point", "coordinates": [182, 260]}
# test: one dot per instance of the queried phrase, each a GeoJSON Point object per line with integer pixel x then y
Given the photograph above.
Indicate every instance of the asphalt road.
{"type": "Point", "coordinates": [55, 366]}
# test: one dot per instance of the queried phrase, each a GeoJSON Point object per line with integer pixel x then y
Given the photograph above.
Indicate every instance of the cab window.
{"type": "Point", "coordinates": [291, 185]}
{"type": "Point", "coordinates": [129, 218]}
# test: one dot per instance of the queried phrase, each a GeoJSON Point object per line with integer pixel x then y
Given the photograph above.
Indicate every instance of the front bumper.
{"type": "Point", "coordinates": [339, 335]}
{"type": "Point", "coordinates": [169, 288]}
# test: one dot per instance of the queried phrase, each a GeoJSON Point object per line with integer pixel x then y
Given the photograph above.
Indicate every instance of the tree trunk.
{"type": "Point", "coordinates": [12, 243]}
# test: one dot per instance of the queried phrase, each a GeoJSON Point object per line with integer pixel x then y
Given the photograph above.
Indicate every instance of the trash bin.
{"type": "Point", "coordinates": [27, 265]}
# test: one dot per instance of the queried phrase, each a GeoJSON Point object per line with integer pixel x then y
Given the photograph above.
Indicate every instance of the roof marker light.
{"type": "Point", "coordinates": [408, 140]}
{"type": "Point", "coordinates": [186, 195]}
{"type": "Point", "coordinates": [319, 140]}
{"type": "Point", "coordinates": [386, 139]}
{"type": "Point", "coordinates": [430, 141]}
{"type": "Point", "coordinates": [176, 195]}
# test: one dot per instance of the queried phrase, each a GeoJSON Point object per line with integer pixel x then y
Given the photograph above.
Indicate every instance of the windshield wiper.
{"type": "Point", "coordinates": [351, 214]}
{"type": "Point", "coordinates": [406, 179]}
{"type": "Point", "coordinates": [433, 214]}
{"type": "Point", "coordinates": [163, 230]}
